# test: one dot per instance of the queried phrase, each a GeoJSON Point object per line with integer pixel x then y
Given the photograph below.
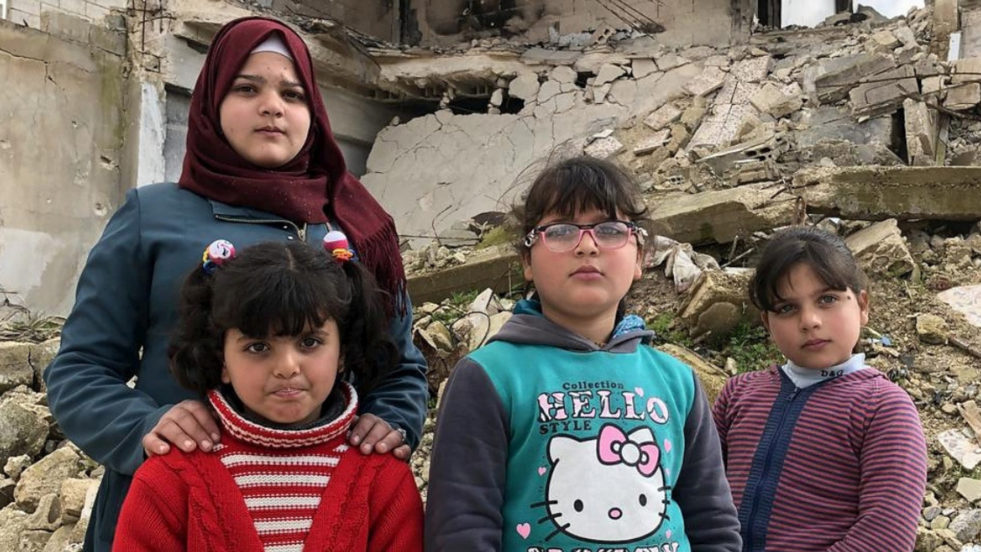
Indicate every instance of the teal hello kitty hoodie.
{"type": "Point", "coordinates": [546, 442]}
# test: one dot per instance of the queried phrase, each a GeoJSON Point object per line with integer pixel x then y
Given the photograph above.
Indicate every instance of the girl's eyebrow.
{"type": "Point", "coordinates": [262, 80]}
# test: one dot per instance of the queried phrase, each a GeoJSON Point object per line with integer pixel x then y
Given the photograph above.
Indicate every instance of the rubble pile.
{"type": "Point", "coordinates": [48, 485]}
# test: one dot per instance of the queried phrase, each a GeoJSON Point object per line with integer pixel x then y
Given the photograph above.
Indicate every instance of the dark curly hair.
{"type": "Point", "coordinates": [574, 185]}
{"type": "Point", "coordinates": [278, 288]}
{"type": "Point", "coordinates": [825, 253]}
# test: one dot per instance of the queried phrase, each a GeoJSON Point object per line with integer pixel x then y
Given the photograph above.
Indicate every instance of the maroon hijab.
{"type": "Point", "coordinates": [311, 188]}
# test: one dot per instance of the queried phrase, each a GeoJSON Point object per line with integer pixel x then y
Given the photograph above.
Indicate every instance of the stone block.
{"type": "Point", "coordinates": [650, 143]}
{"type": "Point", "coordinates": [965, 300]}
{"type": "Point", "coordinates": [603, 148]}
{"type": "Point", "coordinates": [933, 86]}
{"type": "Point", "coordinates": [46, 476]}
{"type": "Point", "coordinates": [969, 488]}
{"type": "Point", "coordinates": [931, 329]}
{"type": "Point", "coordinates": [665, 115]}
{"type": "Point", "coordinates": [960, 447]}
{"type": "Point", "coordinates": [752, 69]}
{"type": "Point", "coordinates": [881, 249]}
{"type": "Point", "coordinates": [641, 67]}
{"type": "Point", "coordinates": [670, 61]}
{"type": "Point", "coordinates": [708, 81]}
{"type": "Point", "coordinates": [712, 378]}
{"type": "Point", "coordinates": [778, 102]}
{"type": "Point", "coordinates": [608, 73]}
{"type": "Point", "coordinates": [966, 70]}
{"type": "Point", "coordinates": [830, 80]}
{"type": "Point", "coordinates": [15, 365]}
{"type": "Point", "coordinates": [905, 35]}
{"type": "Point", "coordinates": [717, 303]}
{"type": "Point", "coordinates": [963, 96]}
{"type": "Point", "coordinates": [885, 41]}
{"type": "Point", "coordinates": [623, 92]}
{"type": "Point", "coordinates": [886, 91]}
{"type": "Point", "coordinates": [563, 74]}
{"type": "Point", "coordinates": [497, 268]}
{"type": "Point", "coordinates": [524, 86]}
{"type": "Point", "coordinates": [921, 132]}
{"type": "Point", "coordinates": [966, 524]}
{"type": "Point", "coordinates": [73, 493]}
{"type": "Point", "coordinates": [548, 89]}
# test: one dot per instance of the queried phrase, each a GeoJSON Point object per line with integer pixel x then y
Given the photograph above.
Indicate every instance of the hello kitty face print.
{"type": "Point", "coordinates": [607, 489]}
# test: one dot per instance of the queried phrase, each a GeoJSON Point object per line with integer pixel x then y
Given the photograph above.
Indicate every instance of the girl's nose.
{"type": "Point", "coordinates": [287, 365]}
{"type": "Point", "coordinates": [810, 318]}
{"type": "Point", "coordinates": [271, 104]}
{"type": "Point", "coordinates": [587, 244]}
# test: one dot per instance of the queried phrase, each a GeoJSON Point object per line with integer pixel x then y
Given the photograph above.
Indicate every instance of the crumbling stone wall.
{"type": "Point", "coordinates": [62, 152]}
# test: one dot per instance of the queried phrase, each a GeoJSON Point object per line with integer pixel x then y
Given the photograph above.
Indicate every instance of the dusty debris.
{"type": "Point", "coordinates": [881, 249]}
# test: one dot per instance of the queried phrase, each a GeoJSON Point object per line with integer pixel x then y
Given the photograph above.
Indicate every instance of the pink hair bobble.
{"type": "Point", "coordinates": [216, 254]}
{"type": "Point", "coordinates": [336, 244]}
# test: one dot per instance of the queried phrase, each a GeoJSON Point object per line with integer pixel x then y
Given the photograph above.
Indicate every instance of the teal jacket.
{"type": "Point", "coordinates": [547, 442]}
{"type": "Point", "coordinates": [124, 314]}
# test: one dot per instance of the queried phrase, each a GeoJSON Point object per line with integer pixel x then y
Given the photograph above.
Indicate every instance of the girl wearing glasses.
{"type": "Point", "coordinates": [567, 431]}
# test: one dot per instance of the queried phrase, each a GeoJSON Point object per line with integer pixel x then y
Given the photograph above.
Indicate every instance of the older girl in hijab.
{"type": "Point", "coordinates": [261, 165]}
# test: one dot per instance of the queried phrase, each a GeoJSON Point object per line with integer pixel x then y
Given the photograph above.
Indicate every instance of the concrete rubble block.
{"type": "Point", "coordinates": [966, 524]}
{"type": "Point", "coordinates": [965, 300]}
{"type": "Point", "coordinates": [830, 80]}
{"type": "Point", "coordinates": [752, 69]}
{"type": "Point", "coordinates": [961, 447]}
{"type": "Point", "coordinates": [696, 53]}
{"type": "Point", "coordinates": [931, 329]}
{"type": "Point", "coordinates": [761, 149]}
{"type": "Point", "coordinates": [886, 91]}
{"type": "Point", "coordinates": [881, 249]}
{"type": "Point", "coordinates": [592, 61]}
{"type": "Point", "coordinates": [670, 61]}
{"type": "Point", "coordinates": [720, 215]}
{"type": "Point", "coordinates": [25, 426]}
{"type": "Point", "coordinates": [548, 56]}
{"type": "Point", "coordinates": [969, 488]}
{"type": "Point", "coordinates": [46, 476]}
{"type": "Point", "coordinates": [717, 60]}
{"type": "Point", "coordinates": [657, 89]}
{"type": "Point", "coordinates": [548, 89]}
{"type": "Point", "coordinates": [963, 96]}
{"type": "Point", "coordinates": [641, 67]}
{"type": "Point", "coordinates": [61, 540]}
{"type": "Point", "coordinates": [646, 145]}
{"type": "Point", "coordinates": [921, 132]}
{"type": "Point", "coordinates": [708, 81]}
{"type": "Point", "coordinates": [933, 87]}
{"type": "Point", "coordinates": [495, 267]}
{"type": "Point", "coordinates": [623, 92]}
{"type": "Point", "coordinates": [497, 97]}
{"type": "Point", "coordinates": [524, 87]}
{"type": "Point", "coordinates": [46, 516]}
{"type": "Point", "coordinates": [15, 365]}
{"type": "Point", "coordinates": [905, 35]}
{"type": "Point", "coordinates": [608, 73]}
{"type": "Point", "coordinates": [72, 495]}
{"type": "Point", "coordinates": [966, 70]}
{"type": "Point", "coordinates": [16, 465]}
{"type": "Point", "coordinates": [693, 116]}
{"type": "Point", "coordinates": [712, 378]}
{"type": "Point", "coordinates": [776, 101]}
{"type": "Point", "coordinates": [41, 355]}
{"type": "Point", "coordinates": [717, 303]}
{"type": "Point", "coordinates": [11, 526]}
{"type": "Point", "coordinates": [884, 41]}
{"type": "Point", "coordinates": [722, 125]}
{"type": "Point", "coordinates": [679, 138]}
{"type": "Point", "coordinates": [603, 148]}
{"type": "Point", "coordinates": [662, 117]}
{"type": "Point", "coordinates": [600, 92]}
{"type": "Point", "coordinates": [904, 193]}
{"type": "Point", "coordinates": [81, 526]}
{"type": "Point", "coordinates": [563, 74]}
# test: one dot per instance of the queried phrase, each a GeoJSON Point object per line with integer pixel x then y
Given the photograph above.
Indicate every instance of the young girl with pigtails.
{"type": "Point", "coordinates": [269, 337]}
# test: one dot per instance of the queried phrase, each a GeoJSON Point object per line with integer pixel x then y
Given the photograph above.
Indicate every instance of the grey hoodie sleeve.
{"type": "Point", "coordinates": [702, 490]}
{"type": "Point", "coordinates": [468, 464]}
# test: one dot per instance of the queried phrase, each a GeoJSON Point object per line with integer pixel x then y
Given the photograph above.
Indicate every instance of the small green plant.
{"type": "Point", "coordinates": [665, 330]}
{"type": "Point", "coordinates": [750, 346]}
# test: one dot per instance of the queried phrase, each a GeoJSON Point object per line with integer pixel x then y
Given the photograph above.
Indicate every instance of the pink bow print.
{"type": "Point", "coordinates": [615, 447]}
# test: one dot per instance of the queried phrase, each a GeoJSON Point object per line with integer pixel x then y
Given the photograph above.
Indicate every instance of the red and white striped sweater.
{"type": "Point", "coordinates": [273, 490]}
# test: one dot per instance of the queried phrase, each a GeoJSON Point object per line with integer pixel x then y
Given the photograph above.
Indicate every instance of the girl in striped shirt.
{"type": "Point", "coordinates": [823, 453]}
{"type": "Point", "coordinates": [270, 337]}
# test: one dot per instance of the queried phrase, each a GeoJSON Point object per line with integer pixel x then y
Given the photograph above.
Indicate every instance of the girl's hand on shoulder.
{"type": "Point", "coordinates": [188, 425]}
{"type": "Point", "coordinates": [372, 434]}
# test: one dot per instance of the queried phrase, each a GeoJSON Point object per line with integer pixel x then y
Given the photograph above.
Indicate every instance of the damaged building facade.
{"type": "Point", "coordinates": [96, 92]}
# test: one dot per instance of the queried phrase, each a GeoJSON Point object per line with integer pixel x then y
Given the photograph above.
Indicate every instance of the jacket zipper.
{"type": "Point", "coordinates": [300, 233]}
{"type": "Point", "coordinates": [785, 405]}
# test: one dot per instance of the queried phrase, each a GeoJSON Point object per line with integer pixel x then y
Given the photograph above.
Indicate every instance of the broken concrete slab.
{"type": "Point", "coordinates": [662, 117]}
{"type": "Point", "coordinates": [547, 90]}
{"type": "Point", "coordinates": [670, 61]}
{"type": "Point", "coordinates": [563, 74]}
{"type": "Point", "coordinates": [761, 149]}
{"type": "Point", "coordinates": [623, 92]}
{"type": "Point", "coordinates": [752, 69]}
{"type": "Point", "coordinates": [963, 96]}
{"type": "Point", "coordinates": [608, 73]}
{"type": "Point", "coordinates": [886, 91]}
{"type": "Point", "coordinates": [881, 249]}
{"type": "Point", "coordinates": [904, 193]}
{"type": "Point", "coordinates": [651, 143]}
{"type": "Point", "coordinates": [720, 215]}
{"type": "Point", "coordinates": [548, 56]}
{"type": "Point", "coordinates": [708, 81]}
{"type": "Point", "coordinates": [641, 67]}
{"type": "Point", "coordinates": [496, 268]}
{"type": "Point", "coordinates": [966, 70]}
{"type": "Point", "coordinates": [776, 101]}
{"type": "Point", "coordinates": [830, 80]}
{"type": "Point", "coordinates": [717, 303]}
{"type": "Point", "coordinates": [921, 132]}
{"type": "Point", "coordinates": [885, 41]}
{"type": "Point", "coordinates": [603, 148]}
{"type": "Point", "coordinates": [722, 125]}
{"type": "Point", "coordinates": [712, 378]}
{"type": "Point", "coordinates": [592, 61]}
{"type": "Point", "coordinates": [524, 86]}
{"type": "Point", "coordinates": [836, 123]}
{"type": "Point", "coordinates": [905, 35]}
{"type": "Point", "coordinates": [965, 300]}
{"type": "Point", "coordinates": [961, 447]}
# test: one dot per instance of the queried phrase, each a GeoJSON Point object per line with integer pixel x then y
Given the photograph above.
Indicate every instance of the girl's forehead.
{"type": "Point", "coordinates": [587, 214]}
